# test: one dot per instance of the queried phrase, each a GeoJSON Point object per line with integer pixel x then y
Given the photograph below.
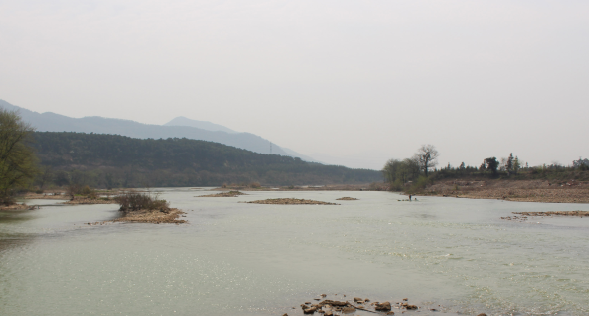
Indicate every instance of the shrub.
{"type": "Point", "coordinates": [133, 201]}
{"type": "Point", "coordinates": [419, 185]}
{"type": "Point", "coordinates": [76, 189]}
{"type": "Point", "coordinates": [86, 190]}
{"type": "Point", "coordinates": [397, 185]}
{"type": "Point", "coordinates": [255, 185]}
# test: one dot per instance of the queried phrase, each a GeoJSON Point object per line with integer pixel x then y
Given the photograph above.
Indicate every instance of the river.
{"type": "Point", "coordinates": [453, 255]}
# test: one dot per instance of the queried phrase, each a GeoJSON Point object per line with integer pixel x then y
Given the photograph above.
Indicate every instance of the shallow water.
{"type": "Point", "coordinates": [455, 255]}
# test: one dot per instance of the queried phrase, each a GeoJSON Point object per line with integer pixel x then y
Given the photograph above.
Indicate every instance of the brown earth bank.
{"type": "Point", "coordinates": [291, 201]}
{"type": "Point", "coordinates": [571, 191]}
{"type": "Point", "coordinates": [347, 198]}
{"type": "Point", "coordinates": [344, 306]}
{"type": "Point", "coordinates": [223, 194]}
{"type": "Point", "coordinates": [169, 216]}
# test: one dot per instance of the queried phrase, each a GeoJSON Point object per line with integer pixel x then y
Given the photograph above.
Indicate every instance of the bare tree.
{"type": "Point", "coordinates": [427, 157]}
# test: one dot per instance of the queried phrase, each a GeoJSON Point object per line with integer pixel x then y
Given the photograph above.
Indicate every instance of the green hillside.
{"type": "Point", "coordinates": [117, 161]}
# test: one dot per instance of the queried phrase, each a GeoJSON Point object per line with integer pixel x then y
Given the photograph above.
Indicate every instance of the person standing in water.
{"type": "Point", "coordinates": [409, 197]}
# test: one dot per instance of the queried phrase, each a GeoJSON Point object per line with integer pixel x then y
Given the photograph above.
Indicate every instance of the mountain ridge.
{"type": "Point", "coordinates": [110, 161]}
{"type": "Point", "coordinates": [206, 125]}
{"type": "Point", "coordinates": [53, 122]}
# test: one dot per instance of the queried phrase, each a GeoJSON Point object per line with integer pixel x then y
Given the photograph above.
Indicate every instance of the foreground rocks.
{"type": "Point", "coordinates": [328, 307]}
{"type": "Point", "coordinates": [334, 307]}
{"type": "Point", "coordinates": [224, 194]}
{"type": "Point", "coordinates": [347, 198]}
{"type": "Point", "coordinates": [291, 201]}
{"type": "Point", "coordinates": [169, 216]}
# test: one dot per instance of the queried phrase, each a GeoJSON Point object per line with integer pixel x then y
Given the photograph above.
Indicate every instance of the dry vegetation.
{"type": "Point", "coordinates": [347, 198]}
{"type": "Point", "coordinates": [154, 216]}
{"type": "Point", "coordinates": [513, 190]}
{"type": "Point", "coordinates": [146, 208]}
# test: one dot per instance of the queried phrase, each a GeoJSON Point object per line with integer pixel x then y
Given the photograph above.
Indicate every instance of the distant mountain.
{"type": "Point", "coordinates": [117, 161]}
{"type": "Point", "coordinates": [51, 122]}
{"type": "Point", "coordinates": [184, 121]}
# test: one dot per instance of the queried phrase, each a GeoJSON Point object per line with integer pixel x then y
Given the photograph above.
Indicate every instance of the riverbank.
{"type": "Point", "coordinates": [512, 190]}
{"type": "Point", "coordinates": [17, 207]}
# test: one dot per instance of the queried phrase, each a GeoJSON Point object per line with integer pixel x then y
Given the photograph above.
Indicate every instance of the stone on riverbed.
{"type": "Point", "coordinates": [310, 310]}
{"type": "Point", "coordinates": [386, 306]}
{"type": "Point", "coordinates": [348, 309]}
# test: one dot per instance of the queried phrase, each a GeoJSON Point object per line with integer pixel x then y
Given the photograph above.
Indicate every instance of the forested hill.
{"type": "Point", "coordinates": [117, 161]}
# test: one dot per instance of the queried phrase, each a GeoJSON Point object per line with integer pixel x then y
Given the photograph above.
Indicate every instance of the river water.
{"type": "Point", "coordinates": [453, 255]}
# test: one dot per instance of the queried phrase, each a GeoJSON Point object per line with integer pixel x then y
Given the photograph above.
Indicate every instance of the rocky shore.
{"type": "Point", "coordinates": [292, 201]}
{"type": "Point", "coordinates": [513, 190]}
{"type": "Point", "coordinates": [224, 194]}
{"type": "Point", "coordinates": [169, 216]}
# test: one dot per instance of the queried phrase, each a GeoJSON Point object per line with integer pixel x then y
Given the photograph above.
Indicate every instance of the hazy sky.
{"type": "Point", "coordinates": [351, 82]}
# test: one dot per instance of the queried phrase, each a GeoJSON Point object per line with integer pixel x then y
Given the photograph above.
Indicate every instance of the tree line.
{"type": "Point", "coordinates": [416, 172]}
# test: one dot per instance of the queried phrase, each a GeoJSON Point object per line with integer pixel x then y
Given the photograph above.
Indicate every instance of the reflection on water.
{"type": "Point", "coordinates": [248, 259]}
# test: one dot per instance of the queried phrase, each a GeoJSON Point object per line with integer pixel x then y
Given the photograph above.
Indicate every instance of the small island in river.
{"type": "Point", "coordinates": [224, 194]}
{"type": "Point", "coordinates": [291, 201]}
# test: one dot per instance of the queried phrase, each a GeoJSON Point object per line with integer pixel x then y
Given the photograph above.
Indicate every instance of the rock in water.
{"type": "Point", "coordinates": [311, 310]}
{"type": "Point", "coordinates": [411, 307]}
{"type": "Point", "coordinates": [348, 309]}
{"type": "Point", "coordinates": [386, 306]}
